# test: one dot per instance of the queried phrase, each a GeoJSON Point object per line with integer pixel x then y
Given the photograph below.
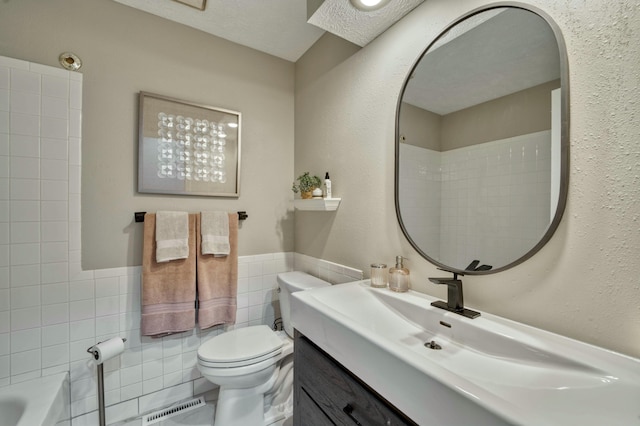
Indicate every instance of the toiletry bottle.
{"type": "Point", "coordinates": [399, 276]}
{"type": "Point", "coordinates": [327, 186]}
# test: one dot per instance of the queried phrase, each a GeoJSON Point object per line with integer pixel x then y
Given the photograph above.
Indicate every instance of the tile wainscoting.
{"type": "Point", "coordinates": [51, 310]}
{"type": "Point", "coordinates": [154, 373]}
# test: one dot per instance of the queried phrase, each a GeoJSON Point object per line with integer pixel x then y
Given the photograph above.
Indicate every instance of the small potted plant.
{"type": "Point", "coordinates": [306, 184]}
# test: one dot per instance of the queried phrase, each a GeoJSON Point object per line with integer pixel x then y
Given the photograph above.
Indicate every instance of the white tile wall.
{"type": "Point", "coordinates": [157, 372]}
{"type": "Point", "coordinates": [470, 194]}
{"type": "Point", "coordinates": [420, 193]}
{"type": "Point", "coordinates": [328, 271]}
{"type": "Point", "coordinates": [51, 310]}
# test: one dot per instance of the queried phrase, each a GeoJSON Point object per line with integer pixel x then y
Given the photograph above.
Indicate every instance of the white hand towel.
{"type": "Point", "coordinates": [215, 233]}
{"type": "Point", "coordinates": [172, 236]}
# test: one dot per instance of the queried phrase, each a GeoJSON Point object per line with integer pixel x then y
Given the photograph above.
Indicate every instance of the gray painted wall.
{"type": "Point", "coordinates": [520, 113]}
{"type": "Point", "coordinates": [584, 283]}
{"type": "Point", "coordinates": [126, 51]}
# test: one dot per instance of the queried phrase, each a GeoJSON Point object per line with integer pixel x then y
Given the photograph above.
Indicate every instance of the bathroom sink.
{"type": "Point", "coordinates": [486, 370]}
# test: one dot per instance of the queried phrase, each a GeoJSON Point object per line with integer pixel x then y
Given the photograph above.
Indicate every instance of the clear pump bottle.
{"type": "Point", "coordinates": [399, 276]}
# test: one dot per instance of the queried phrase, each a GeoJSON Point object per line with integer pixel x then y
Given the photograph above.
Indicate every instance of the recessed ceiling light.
{"type": "Point", "coordinates": [369, 5]}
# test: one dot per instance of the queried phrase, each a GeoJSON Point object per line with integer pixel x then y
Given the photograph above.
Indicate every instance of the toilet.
{"type": "Point", "coordinates": [253, 366]}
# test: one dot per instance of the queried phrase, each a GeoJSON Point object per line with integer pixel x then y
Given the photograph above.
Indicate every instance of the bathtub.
{"type": "Point", "coordinates": [40, 402]}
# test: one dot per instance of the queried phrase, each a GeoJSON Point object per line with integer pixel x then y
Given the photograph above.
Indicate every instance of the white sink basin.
{"type": "Point", "coordinates": [489, 370]}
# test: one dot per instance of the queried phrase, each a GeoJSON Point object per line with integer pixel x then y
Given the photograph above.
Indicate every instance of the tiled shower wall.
{"type": "Point", "coordinates": [40, 113]}
{"type": "Point", "coordinates": [420, 191]}
{"type": "Point", "coordinates": [51, 310]}
{"type": "Point", "coordinates": [487, 198]}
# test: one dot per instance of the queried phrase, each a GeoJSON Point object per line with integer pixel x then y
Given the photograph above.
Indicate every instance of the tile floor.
{"type": "Point", "coordinates": [202, 416]}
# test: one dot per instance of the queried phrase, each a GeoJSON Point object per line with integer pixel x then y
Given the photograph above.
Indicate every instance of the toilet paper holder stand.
{"type": "Point", "coordinates": [93, 352]}
{"type": "Point", "coordinates": [101, 409]}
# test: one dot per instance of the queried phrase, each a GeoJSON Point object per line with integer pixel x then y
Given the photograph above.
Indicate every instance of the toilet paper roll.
{"type": "Point", "coordinates": [108, 349]}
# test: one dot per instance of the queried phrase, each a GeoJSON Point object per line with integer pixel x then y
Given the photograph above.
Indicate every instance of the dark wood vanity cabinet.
{"type": "Point", "coordinates": [328, 394]}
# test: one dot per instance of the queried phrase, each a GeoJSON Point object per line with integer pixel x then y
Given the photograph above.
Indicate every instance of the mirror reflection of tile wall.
{"type": "Point", "coordinates": [489, 201]}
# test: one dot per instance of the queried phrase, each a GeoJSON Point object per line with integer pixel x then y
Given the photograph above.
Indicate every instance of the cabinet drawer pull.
{"type": "Point", "coordinates": [348, 409]}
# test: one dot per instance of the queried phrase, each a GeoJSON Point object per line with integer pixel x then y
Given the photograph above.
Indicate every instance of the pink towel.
{"type": "Point", "coordinates": [218, 281]}
{"type": "Point", "coordinates": [168, 288]}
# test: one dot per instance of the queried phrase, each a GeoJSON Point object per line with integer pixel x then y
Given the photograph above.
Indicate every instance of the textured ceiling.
{"type": "Point", "coordinates": [342, 19]}
{"type": "Point", "coordinates": [280, 27]}
{"type": "Point", "coordinates": [484, 60]}
{"type": "Point", "coordinates": [276, 27]}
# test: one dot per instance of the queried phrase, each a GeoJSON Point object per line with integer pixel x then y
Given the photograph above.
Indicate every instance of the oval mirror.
{"type": "Point", "coordinates": [482, 141]}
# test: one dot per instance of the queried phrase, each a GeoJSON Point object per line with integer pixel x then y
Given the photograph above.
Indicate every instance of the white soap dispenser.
{"type": "Point", "coordinates": [399, 276]}
{"type": "Point", "coordinates": [327, 185]}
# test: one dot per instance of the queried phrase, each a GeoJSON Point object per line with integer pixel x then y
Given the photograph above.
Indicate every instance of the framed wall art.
{"type": "Point", "coordinates": [187, 148]}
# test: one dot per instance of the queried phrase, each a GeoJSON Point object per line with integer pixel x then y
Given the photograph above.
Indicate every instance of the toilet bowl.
{"type": "Point", "coordinates": [253, 365]}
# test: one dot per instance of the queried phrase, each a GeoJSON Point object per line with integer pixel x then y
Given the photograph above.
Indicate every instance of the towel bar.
{"type": "Point", "coordinates": [139, 216]}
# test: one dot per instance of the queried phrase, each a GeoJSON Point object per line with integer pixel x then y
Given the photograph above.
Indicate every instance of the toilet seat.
{"type": "Point", "coordinates": [253, 366]}
{"type": "Point", "coordinates": [239, 348]}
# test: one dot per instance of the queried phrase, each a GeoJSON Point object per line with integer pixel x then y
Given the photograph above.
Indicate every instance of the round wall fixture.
{"type": "Point", "coordinates": [369, 5]}
{"type": "Point", "coordinates": [70, 61]}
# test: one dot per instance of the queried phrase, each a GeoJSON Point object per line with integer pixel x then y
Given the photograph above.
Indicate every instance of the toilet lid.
{"type": "Point", "coordinates": [243, 344]}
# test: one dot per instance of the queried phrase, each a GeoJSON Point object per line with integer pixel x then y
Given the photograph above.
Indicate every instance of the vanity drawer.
{"type": "Point", "coordinates": [308, 413]}
{"type": "Point", "coordinates": [336, 392]}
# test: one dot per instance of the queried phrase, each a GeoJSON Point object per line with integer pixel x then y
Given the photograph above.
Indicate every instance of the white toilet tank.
{"type": "Point", "coordinates": [290, 282]}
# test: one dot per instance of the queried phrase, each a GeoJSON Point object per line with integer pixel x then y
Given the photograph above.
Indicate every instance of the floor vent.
{"type": "Point", "coordinates": [174, 410]}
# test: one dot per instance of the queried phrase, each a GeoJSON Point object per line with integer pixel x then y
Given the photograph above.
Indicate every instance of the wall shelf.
{"type": "Point", "coordinates": [317, 204]}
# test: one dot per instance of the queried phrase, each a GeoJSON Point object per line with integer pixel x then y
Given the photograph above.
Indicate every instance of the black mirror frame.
{"type": "Point", "coordinates": [564, 138]}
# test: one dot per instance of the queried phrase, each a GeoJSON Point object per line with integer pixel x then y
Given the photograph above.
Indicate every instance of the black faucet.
{"type": "Point", "coordinates": [473, 266]}
{"type": "Point", "coordinates": [455, 299]}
